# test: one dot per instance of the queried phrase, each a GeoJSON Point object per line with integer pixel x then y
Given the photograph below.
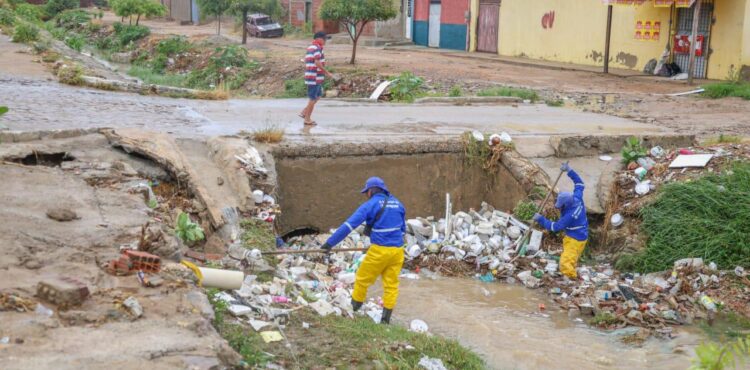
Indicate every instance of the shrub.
{"type": "Point", "coordinates": [455, 91]}
{"type": "Point", "coordinates": [406, 87]}
{"type": "Point", "coordinates": [72, 19]}
{"type": "Point", "coordinates": [173, 45]}
{"type": "Point", "coordinates": [25, 33]}
{"type": "Point", "coordinates": [75, 42]}
{"type": "Point", "coordinates": [54, 7]}
{"type": "Point", "coordinates": [126, 34]}
{"type": "Point", "coordinates": [71, 75]}
{"type": "Point", "coordinates": [30, 12]}
{"type": "Point", "coordinates": [525, 210]}
{"type": "Point", "coordinates": [228, 65]}
{"type": "Point", "coordinates": [7, 18]}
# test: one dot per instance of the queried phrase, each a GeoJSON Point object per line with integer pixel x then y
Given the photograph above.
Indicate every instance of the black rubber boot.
{"type": "Point", "coordinates": [386, 319]}
{"type": "Point", "coordinates": [356, 305]}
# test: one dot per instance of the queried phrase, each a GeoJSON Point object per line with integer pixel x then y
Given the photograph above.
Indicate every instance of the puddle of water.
{"type": "Point", "coordinates": [504, 324]}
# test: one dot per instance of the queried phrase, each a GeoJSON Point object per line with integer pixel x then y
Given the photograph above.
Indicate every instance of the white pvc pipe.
{"type": "Point", "coordinates": [222, 279]}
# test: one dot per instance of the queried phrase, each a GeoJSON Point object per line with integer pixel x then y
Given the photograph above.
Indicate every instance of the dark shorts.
{"type": "Point", "coordinates": [314, 92]}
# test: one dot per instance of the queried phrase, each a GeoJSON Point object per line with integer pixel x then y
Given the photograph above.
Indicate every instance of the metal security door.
{"type": "Point", "coordinates": [433, 39]}
{"type": "Point", "coordinates": [685, 28]}
{"type": "Point", "coordinates": [488, 25]}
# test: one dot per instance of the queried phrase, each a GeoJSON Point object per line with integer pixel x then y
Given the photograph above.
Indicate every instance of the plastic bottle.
{"type": "Point", "coordinates": [309, 284]}
{"type": "Point", "coordinates": [708, 303]}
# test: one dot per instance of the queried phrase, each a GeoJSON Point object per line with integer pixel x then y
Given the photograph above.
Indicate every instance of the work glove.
{"type": "Point", "coordinates": [327, 247]}
{"type": "Point", "coordinates": [565, 167]}
{"type": "Point", "coordinates": [537, 218]}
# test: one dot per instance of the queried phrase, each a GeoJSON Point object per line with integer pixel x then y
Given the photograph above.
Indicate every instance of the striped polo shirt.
{"type": "Point", "coordinates": [313, 74]}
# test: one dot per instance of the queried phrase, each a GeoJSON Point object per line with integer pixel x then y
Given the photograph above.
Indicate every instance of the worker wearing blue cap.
{"type": "Point", "coordinates": [385, 223]}
{"type": "Point", "coordinates": [572, 220]}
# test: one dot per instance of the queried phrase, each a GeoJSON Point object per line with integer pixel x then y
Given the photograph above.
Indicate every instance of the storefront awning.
{"type": "Point", "coordinates": [656, 3]}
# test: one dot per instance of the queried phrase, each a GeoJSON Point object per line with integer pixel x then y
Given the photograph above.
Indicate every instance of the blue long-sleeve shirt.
{"type": "Point", "coordinates": [573, 218]}
{"type": "Point", "coordinates": [388, 231]}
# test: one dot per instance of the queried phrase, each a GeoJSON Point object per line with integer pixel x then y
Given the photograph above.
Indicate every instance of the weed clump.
{"type": "Point", "coordinates": [70, 74]}
{"type": "Point", "coordinates": [30, 12]}
{"type": "Point", "coordinates": [269, 134]}
{"type": "Point", "coordinates": [707, 218]}
{"type": "Point", "coordinates": [632, 151]}
{"type": "Point", "coordinates": [228, 66]}
{"type": "Point", "coordinates": [525, 210]}
{"type": "Point", "coordinates": [6, 17]}
{"type": "Point", "coordinates": [455, 91]}
{"type": "Point", "coordinates": [295, 88]}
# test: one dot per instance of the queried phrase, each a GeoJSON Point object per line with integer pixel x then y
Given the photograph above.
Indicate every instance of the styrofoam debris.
{"type": "Point", "coordinates": [239, 310]}
{"type": "Point", "coordinates": [418, 326]}
{"type": "Point", "coordinates": [430, 363]}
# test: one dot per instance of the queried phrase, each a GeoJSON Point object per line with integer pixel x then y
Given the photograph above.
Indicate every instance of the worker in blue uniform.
{"type": "Point", "coordinates": [572, 221]}
{"type": "Point", "coordinates": [385, 222]}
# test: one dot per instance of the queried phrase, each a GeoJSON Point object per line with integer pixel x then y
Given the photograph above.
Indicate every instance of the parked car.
{"type": "Point", "coordinates": [261, 25]}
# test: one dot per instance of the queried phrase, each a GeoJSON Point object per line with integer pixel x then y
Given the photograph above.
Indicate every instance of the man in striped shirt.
{"type": "Point", "coordinates": [315, 73]}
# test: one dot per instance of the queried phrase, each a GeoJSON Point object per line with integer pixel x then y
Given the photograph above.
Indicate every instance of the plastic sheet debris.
{"type": "Point", "coordinates": [429, 363]}
{"type": "Point", "coordinates": [605, 158]}
{"type": "Point", "coordinates": [418, 326]}
{"type": "Point", "coordinates": [322, 307]}
{"type": "Point", "coordinates": [693, 160]}
{"type": "Point", "coordinates": [271, 336]}
{"type": "Point", "coordinates": [239, 310]}
{"type": "Point", "coordinates": [258, 324]}
{"type": "Point", "coordinates": [42, 310]}
{"type": "Point", "coordinates": [258, 196]}
{"type": "Point", "coordinates": [478, 136]}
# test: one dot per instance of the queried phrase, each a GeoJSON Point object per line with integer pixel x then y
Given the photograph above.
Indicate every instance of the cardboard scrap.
{"type": "Point", "coordinates": [271, 336]}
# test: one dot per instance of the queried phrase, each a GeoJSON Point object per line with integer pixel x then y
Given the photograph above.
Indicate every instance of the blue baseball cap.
{"type": "Point", "coordinates": [374, 182]}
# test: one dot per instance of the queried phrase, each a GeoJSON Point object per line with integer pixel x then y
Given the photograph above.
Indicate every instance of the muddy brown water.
{"type": "Point", "coordinates": [503, 323]}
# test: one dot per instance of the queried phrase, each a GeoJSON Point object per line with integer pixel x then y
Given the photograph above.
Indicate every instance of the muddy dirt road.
{"type": "Point", "coordinates": [43, 105]}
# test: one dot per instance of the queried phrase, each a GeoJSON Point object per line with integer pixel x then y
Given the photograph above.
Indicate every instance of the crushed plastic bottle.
{"type": "Point", "coordinates": [708, 303]}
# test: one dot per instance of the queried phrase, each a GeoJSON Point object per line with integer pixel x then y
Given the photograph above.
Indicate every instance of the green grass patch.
{"type": "Point", "coordinates": [604, 319]}
{"type": "Point", "coordinates": [30, 12]}
{"type": "Point", "coordinates": [148, 76]}
{"type": "Point", "coordinates": [455, 91]}
{"type": "Point", "coordinates": [257, 234]}
{"type": "Point", "coordinates": [336, 342]}
{"type": "Point", "coordinates": [295, 88]}
{"type": "Point", "coordinates": [7, 18]}
{"type": "Point", "coordinates": [510, 91]}
{"type": "Point", "coordinates": [724, 139]}
{"type": "Point", "coordinates": [554, 102]}
{"type": "Point", "coordinates": [727, 89]}
{"type": "Point", "coordinates": [707, 218]}
{"type": "Point", "coordinates": [406, 87]}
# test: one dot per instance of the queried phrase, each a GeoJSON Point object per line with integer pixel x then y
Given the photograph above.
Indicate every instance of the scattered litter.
{"type": "Point", "coordinates": [252, 163]}
{"type": "Point", "coordinates": [606, 158]}
{"type": "Point", "coordinates": [239, 310]}
{"type": "Point", "coordinates": [133, 306]}
{"type": "Point", "coordinates": [739, 271]}
{"type": "Point", "coordinates": [258, 196]}
{"type": "Point", "coordinates": [258, 324]}
{"type": "Point", "coordinates": [680, 76]}
{"type": "Point", "coordinates": [696, 91]}
{"type": "Point", "coordinates": [692, 160]}
{"type": "Point", "coordinates": [380, 89]}
{"type": "Point", "coordinates": [418, 326]}
{"type": "Point", "coordinates": [657, 152]}
{"type": "Point", "coordinates": [430, 363]}
{"type": "Point", "coordinates": [4, 340]}
{"type": "Point", "coordinates": [322, 307]}
{"type": "Point", "coordinates": [271, 336]}
{"type": "Point", "coordinates": [642, 188]}
{"type": "Point", "coordinates": [478, 136]}
{"type": "Point", "coordinates": [44, 311]}
{"type": "Point", "coordinates": [305, 325]}
{"type": "Point", "coordinates": [616, 220]}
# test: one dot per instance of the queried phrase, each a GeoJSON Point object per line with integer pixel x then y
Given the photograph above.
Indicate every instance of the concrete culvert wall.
{"type": "Point", "coordinates": [318, 188]}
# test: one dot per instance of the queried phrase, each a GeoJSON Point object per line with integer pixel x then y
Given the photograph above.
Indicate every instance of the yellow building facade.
{"type": "Point", "coordinates": [573, 31]}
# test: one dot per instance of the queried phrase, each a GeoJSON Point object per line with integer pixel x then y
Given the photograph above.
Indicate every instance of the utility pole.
{"type": "Point", "coordinates": [608, 37]}
{"type": "Point", "coordinates": [694, 41]}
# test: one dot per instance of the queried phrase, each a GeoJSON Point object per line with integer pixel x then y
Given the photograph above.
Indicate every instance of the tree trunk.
{"type": "Point", "coordinates": [138, 19]}
{"type": "Point", "coordinates": [218, 27]}
{"type": "Point", "coordinates": [354, 49]}
{"type": "Point", "coordinates": [244, 27]}
{"type": "Point", "coordinates": [130, 20]}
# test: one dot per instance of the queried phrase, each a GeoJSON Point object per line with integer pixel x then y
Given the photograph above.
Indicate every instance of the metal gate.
{"type": "Point", "coordinates": [433, 39]}
{"type": "Point", "coordinates": [488, 25]}
{"type": "Point", "coordinates": [685, 28]}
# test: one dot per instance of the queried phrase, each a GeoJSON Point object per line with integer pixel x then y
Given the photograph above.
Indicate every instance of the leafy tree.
{"type": "Point", "coordinates": [56, 6]}
{"type": "Point", "coordinates": [354, 15]}
{"type": "Point", "coordinates": [216, 8]}
{"type": "Point", "coordinates": [137, 8]}
{"type": "Point", "coordinates": [241, 8]}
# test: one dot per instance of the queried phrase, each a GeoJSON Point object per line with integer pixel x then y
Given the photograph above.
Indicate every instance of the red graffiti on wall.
{"type": "Point", "coordinates": [548, 20]}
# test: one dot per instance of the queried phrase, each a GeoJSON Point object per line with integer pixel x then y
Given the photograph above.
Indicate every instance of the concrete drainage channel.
{"type": "Point", "coordinates": [317, 188]}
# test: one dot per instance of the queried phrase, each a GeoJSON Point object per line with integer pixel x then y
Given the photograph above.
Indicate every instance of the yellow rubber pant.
{"type": "Point", "coordinates": [380, 261]}
{"type": "Point", "coordinates": [572, 250]}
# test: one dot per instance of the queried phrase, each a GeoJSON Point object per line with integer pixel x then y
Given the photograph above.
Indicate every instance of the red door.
{"type": "Point", "coordinates": [488, 25]}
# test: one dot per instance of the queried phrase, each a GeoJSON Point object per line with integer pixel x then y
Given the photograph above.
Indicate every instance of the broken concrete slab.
{"type": "Point", "coordinates": [62, 291]}
{"type": "Point", "coordinates": [587, 145]}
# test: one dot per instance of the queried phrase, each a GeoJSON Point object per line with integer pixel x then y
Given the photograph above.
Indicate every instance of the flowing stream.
{"type": "Point", "coordinates": [505, 325]}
